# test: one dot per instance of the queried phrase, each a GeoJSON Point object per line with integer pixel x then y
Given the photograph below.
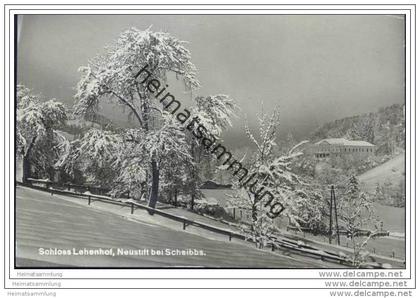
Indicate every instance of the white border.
{"type": "Point", "coordinates": [297, 274]}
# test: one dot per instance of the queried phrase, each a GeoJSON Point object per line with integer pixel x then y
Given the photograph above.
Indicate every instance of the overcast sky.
{"type": "Point", "coordinates": [314, 68]}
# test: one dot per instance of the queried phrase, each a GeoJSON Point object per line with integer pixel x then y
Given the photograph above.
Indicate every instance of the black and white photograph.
{"type": "Point", "coordinates": [211, 142]}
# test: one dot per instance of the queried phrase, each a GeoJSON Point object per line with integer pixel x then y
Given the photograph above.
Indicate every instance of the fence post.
{"type": "Point", "coordinates": [184, 225]}
{"type": "Point", "coordinates": [48, 186]}
{"type": "Point", "coordinates": [88, 200]}
{"type": "Point", "coordinates": [132, 208]}
{"type": "Point", "coordinates": [234, 212]}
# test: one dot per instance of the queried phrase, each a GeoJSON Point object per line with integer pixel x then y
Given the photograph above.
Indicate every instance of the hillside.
{"type": "Point", "coordinates": [392, 171]}
{"type": "Point", "coordinates": [384, 128]}
{"type": "Point", "coordinates": [382, 175]}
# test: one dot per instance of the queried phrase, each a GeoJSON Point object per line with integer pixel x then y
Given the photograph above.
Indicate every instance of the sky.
{"type": "Point", "coordinates": [314, 69]}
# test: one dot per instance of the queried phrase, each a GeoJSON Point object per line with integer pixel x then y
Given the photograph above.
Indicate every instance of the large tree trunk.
{"type": "Point", "coordinates": [26, 164]}
{"type": "Point", "coordinates": [194, 175]}
{"type": "Point", "coordinates": [155, 185]}
{"type": "Point", "coordinates": [192, 201]}
{"type": "Point", "coordinates": [26, 169]}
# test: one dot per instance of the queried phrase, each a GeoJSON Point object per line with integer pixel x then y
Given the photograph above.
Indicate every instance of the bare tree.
{"type": "Point", "coordinates": [275, 175]}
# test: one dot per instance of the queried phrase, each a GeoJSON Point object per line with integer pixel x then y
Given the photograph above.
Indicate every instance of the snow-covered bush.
{"type": "Point", "coordinates": [210, 207]}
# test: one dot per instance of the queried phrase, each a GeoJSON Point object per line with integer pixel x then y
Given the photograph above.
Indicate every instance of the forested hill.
{"type": "Point", "coordinates": [384, 128]}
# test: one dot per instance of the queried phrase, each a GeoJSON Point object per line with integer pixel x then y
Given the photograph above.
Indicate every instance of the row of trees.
{"type": "Point", "coordinates": [156, 153]}
{"type": "Point", "coordinates": [306, 199]}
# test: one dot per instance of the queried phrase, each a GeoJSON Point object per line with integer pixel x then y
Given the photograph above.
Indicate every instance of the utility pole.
{"type": "Point", "coordinates": [336, 215]}
{"type": "Point", "coordinates": [331, 219]}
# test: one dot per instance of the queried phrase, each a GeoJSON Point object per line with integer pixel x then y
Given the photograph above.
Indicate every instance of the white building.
{"type": "Point", "coordinates": [334, 147]}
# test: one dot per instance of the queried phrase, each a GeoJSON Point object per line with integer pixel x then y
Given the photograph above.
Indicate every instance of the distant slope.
{"type": "Point", "coordinates": [384, 128]}
{"type": "Point", "coordinates": [47, 221]}
{"type": "Point", "coordinates": [392, 171]}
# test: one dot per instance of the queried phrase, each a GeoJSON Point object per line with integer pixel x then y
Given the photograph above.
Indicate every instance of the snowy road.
{"type": "Point", "coordinates": [45, 221]}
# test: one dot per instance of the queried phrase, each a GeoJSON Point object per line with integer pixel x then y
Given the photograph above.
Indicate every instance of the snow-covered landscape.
{"type": "Point", "coordinates": [146, 128]}
{"type": "Point", "coordinates": [61, 223]}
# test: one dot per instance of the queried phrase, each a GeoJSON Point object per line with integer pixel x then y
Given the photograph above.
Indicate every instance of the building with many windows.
{"type": "Point", "coordinates": [335, 147]}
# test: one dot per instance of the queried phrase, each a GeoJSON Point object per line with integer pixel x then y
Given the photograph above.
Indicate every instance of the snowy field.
{"type": "Point", "coordinates": [49, 221]}
{"type": "Point", "coordinates": [394, 172]}
{"type": "Point", "coordinates": [393, 217]}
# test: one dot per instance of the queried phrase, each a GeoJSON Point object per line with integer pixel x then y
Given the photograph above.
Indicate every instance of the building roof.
{"type": "Point", "coordinates": [344, 142]}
